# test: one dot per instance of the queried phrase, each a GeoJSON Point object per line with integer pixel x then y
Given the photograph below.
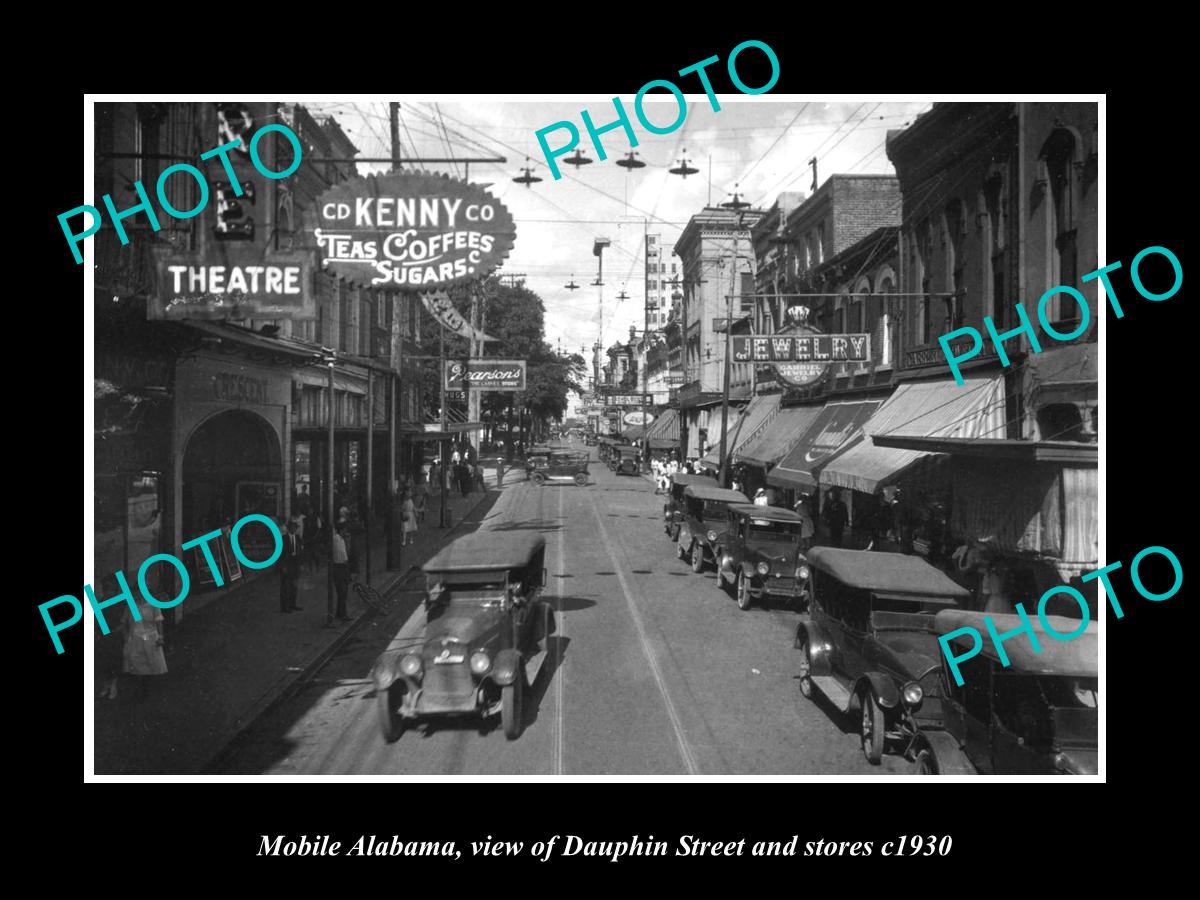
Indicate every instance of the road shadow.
{"type": "Point", "coordinates": [572, 604]}
{"type": "Point", "coordinates": [543, 525]}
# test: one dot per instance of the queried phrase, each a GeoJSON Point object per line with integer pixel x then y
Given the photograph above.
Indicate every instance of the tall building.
{"type": "Point", "coordinates": [661, 270]}
{"type": "Point", "coordinates": [717, 267]}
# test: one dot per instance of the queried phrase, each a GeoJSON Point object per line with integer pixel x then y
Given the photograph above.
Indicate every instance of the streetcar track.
{"type": "Point", "coordinates": [685, 750]}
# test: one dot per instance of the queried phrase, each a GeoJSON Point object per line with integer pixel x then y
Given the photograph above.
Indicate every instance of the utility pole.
{"type": "Point", "coordinates": [394, 117]}
{"type": "Point", "coordinates": [441, 374]}
{"type": "Point", "coordinates": [646, 338]}
{"type": "Point", "coordinates": [394, 540]}
{"type": "Point", "coordinates": [331, 510]}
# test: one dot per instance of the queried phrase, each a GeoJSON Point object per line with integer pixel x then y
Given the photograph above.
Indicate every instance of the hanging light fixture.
{"type": "Point", "coordinates": [631, 161]}
{"type": "Point", "coordinates": [527, 178]}
{"type": "Point", "coordinates": [571, 285]}
{"type": "Point", "coordinates": [578, 159]}
{"type": "Point", "coordinates": [683, 168]}
{"type": "Point", "coordinates": [737, 202]}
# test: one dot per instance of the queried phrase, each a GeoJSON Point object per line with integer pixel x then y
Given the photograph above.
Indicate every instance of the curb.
{"type": "Point", "coordinates": [290, 683]}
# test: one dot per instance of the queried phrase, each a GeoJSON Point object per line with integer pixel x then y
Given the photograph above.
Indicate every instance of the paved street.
{"type": "Point", "coordinates": [653, 671]}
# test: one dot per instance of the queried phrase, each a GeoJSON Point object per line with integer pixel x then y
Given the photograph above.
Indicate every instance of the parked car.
{"type": "Point", "coordinates": [558, 465]}
{"type": "Point", "coordinates": [1036, 716]}
{"type": "Point", "coordinates": [673, 508]}
{"type": "Point", "coordinates": [704, 521]}
{"type": "Point", "coordinates": [759, 556]}
{"type": "Point", "coordinates": [869, 643]}
{"type": "Point", "coordinates": [483, 641]}
{"type": "Point", "coordinates": [628, 461]}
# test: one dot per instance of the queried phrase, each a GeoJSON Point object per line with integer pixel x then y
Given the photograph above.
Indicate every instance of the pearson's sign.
{"type": "Point", "coordinates": [418, 231]}
{"type": "Point", "coordinates": [485, 375]}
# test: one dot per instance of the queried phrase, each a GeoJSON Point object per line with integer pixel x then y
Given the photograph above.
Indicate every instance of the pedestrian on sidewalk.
{"type": "Point", "coordinates": [836, 516]}
{"type": "Point", "coordinates": [464, 478]}
{"type": "Point", "coordinates": [435, 476]}
{"type": "Point", "coordinates": [340, 566]}
{"type": "Point", "coordinates": [109, 648]}
{"type": "Point", "coordinates": [408, 515]}
{"type": "Point", "coordinates": [289, 570]}
{"type": "Point", "coordinates": [143, 649]}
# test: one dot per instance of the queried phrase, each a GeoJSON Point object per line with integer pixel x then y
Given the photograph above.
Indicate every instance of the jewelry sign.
{"type": "Point", "coordinates": [801, 359]}
{"type": "Point", "coordinates": [418, 231]}
{"type": "Point", "coordinates": [485, 374]}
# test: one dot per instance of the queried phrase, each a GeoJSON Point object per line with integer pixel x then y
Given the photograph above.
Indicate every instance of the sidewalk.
{"type": "Point", "coordinates": [230, 659]}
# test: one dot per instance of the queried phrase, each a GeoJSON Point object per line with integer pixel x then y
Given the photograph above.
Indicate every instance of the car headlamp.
{"type": "Point", "coordinates": [913, 695]}
{"type": "Point", "coordinates": [411, 665]}
{"type": "Point", "coordinates": [802, 573]}
{"type": "Point", "coordinates": [480, 662]}
{"type": "Point", "coordinates": [712, 535]}
{"type": "Point", "coordinates": [763, 568]}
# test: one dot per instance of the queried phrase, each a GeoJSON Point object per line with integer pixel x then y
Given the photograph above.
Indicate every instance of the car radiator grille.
{"type": "Point", "coordinates": [452, 681]}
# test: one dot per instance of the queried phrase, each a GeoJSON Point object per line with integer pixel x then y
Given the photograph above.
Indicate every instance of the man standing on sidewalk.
{"type": "Point", "coordinates": [341, 571]}
{"type": "Point", "coordinates": [293, 548]}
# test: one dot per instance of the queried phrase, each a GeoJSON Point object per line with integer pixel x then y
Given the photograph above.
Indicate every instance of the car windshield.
{"type": "Point", "coordinates": [764, 530]}
{"type": "Point", "coordinates": [714, 509]}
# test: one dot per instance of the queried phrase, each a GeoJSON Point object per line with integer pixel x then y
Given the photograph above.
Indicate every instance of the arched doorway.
{"type": "Point", "coordinates": [232, 466]}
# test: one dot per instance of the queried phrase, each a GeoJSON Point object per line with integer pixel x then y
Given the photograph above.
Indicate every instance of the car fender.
{"type": "Point", "coordinates": [883, 686]}
{"type": "Point", "coordinates": [950, 758]}
{"type": "Point", "coordinates": [820, 649]}
{"type": "Point", "coordinates": [386, 670]}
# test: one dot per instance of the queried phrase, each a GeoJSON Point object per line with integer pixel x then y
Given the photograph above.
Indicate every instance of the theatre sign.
{"type": "Point", "coordinates": [411, 231]}
{"type": "Point", "coordinates": [800, 359]}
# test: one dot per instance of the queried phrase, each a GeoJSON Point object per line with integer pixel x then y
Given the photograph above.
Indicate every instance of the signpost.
{"type": "Point", "coordinates": [800, 359]}
{"type": "Point", "coordinates": [485, 374]}
{"type": "Point", "coordinates": [413, 230]}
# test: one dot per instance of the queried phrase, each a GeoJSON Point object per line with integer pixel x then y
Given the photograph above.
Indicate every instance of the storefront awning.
{"type": "Point", "coordinates": [743, 427]}
{"type": "Point", "coordinates": [1063, 374]}
{"type": "Point", "coordinates": [664, 431]}
{"type": "Point", "coordinates": [974, 409]}
{"type": "Point", "coordinates": [830, 429]}
{"type": "Point", "coordinates": [779, 437]}
{"type": "Point", "coordinates": [633, 432]}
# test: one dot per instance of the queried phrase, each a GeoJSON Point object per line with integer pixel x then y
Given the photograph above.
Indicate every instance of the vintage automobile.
{"type": "Point", "coordinates": [704, 521]}
{"type": "Point", "coordinates": [759, 558]}
{"type": "Point", "coordinates": [1036, 716]}
{"type": "Point", "coordinates": [673, 508]}
{"type": "Point", "coordinates": [627, 461]}
{"type": "Point", "coordinates": [558, 465]}
{"type": "Point", "coordinates": [483, 641]}
{"type": "Point", "coordinates": [869, 645]}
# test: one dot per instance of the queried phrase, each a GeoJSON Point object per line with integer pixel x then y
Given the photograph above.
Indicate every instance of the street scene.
{"type": "Point", "coordinates": [466, 453]}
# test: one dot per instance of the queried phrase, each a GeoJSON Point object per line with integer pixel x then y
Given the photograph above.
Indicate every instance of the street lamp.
{"type": "Point", "coordinates": [329, 358]}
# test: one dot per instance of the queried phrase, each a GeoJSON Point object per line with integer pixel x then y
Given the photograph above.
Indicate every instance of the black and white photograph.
{"type": "Point", "coordinates": [684, 435]}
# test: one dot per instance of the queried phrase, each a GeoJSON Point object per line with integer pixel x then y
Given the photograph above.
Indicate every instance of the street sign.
{"type": "Point", "coordinates": [720, 324]}
{"type": "Point", "coordinates": [618, 400]}
{"type": "Point", "coordinates": [637, 417]}
{"type": "Point", "coordinates": [485, 375]}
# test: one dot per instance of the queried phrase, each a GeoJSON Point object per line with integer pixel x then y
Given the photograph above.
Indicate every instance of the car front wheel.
{"type": "Point", "coordinates": [538, 478]}
{"type": "Point", "coordinates": [806, 685]}
{"type": "Point", "coordinates": [510, 708]}
{"type": "Point", "coordinates": [580, 479]}
{"type": "Point", "coordinates": [743, 591]}
{"type": "Point", "coordinates": [872, 728]}
{"type": "Point", "coordinates": [697, 557]}
{"type": "Point", "coordinates": [391, 723]}
{"type": "Point", "coordinates": [926, 763]}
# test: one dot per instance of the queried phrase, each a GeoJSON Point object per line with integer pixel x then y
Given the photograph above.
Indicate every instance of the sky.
{"type": "Point", "coordinates": [758, 146]}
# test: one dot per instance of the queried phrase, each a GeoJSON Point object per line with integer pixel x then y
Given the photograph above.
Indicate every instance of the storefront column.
{"type": "Point", "coordinates": [370, 468]}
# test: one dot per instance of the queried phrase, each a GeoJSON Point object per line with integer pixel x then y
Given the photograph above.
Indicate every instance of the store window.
{"type": "Point", "coordinates": [1058, 155]}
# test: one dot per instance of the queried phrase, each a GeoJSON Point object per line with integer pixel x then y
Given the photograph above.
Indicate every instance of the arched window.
{"type": "Point", "coordinates": [840, 309]}
{"type": "Point", "coordinates": [922, 250]}
{"type": "Point", "coordinates": [366, 318]}
{"type": "Point", "coordinates": [1058, 155]}
{"type": "Point", "coordinates": [859, 319]}
{"type": "Point", "coordinates": [881, 334]}
{"type": "Point", "coordinates": [996, 283]}
{"type": "Point", "coordinates": [954, 221]}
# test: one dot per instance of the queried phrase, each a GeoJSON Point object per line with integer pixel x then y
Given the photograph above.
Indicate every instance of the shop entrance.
{"type": "Point", "coordinates": [232, 467]}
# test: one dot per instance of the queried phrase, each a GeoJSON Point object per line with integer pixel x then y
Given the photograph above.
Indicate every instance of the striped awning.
{"type": "Point", "coordinates": [743, 427]}
{"type": "Point", "coordinates": [975, 409]}
{"type": "Point", "coordinates": [779, 436]}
